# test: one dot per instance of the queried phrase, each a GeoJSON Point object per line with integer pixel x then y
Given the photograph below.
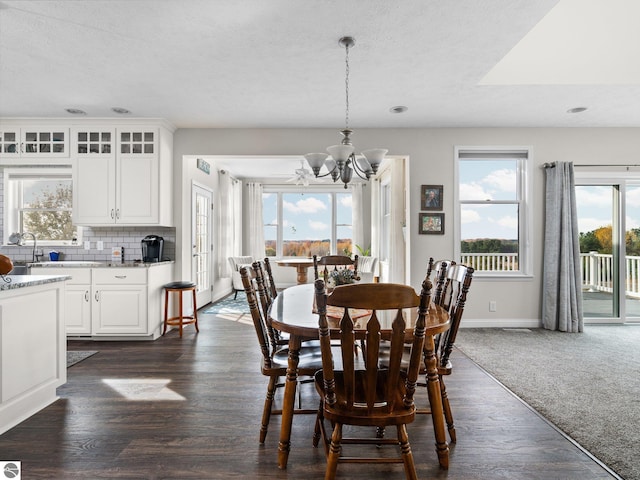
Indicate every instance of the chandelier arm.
{"type": "Point", "coordinates": [335, 167]}
{"type": "Point", "coordinates": [354, 165]}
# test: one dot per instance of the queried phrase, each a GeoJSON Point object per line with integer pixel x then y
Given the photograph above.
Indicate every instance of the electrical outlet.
{"type": "Point", "coordinates": [100, 245]}
{"type": "Point", "coordinates": [87, 245]}
{"type": "Point", "coordinates": [492, 306]}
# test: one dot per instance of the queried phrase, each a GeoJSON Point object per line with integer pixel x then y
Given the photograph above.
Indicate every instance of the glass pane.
{"type": "Point", "coordinates": [31, 136]}
{"type": "Point", "coordinates": [125, 137]}
{"type": "Point", "coordinates": [106, 148]}
{"type": "Point", "coordinates": [148, 148]}
{"type": "Point", "coordinates": [489, 236]}
{"type": "Point", "coordinates": [344, 236]}
{"type": "Point", "coordinates": [595, 219]}
{"type": "Point", "coordinates": [306, 224]}
{"type": "Point", "coordinates": [58, 136]}
{"type": "Point", "coordinates": [137, 136]}
{"type": "Point", "coordinates": [270, 240]}
{"type": "Point", "coordinates": [10, 136]}
{"type": "Point", "coordinates": [137, 148]}
{"type": "Point", "coordinates": [46, 205]}
{"type": "Point", "coordinates": [82, 136]}
{"type": "Point", "coordinates": [106, 136]}
{"type": "Point", "coordinates": [45, 137]}
{"type": "Point", "coordinates": [94, 136]}
{"type": "Point", "coordinates": [148, 136]}
{"type": "Point", "coordinates": [482, 180]}
{"type": "Point", "coordinates": [45, 147]}
{"type": "Point", "coordinates": [82, 148]}
{"type": "Point", "coordinates": [94, 148]}
{"type": "Point", "coordinates": [270, 220]}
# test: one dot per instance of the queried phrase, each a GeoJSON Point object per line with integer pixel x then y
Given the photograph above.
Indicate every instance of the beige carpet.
{"type": "Point", "coordinates": [587, 384]}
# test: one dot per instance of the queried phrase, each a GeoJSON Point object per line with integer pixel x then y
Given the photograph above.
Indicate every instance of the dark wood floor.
{"type": "Point", "coordinates": [211, 430]}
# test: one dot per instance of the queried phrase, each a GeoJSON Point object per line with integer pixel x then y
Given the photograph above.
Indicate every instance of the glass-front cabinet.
{"type": "Point", "coordinates": [138, 141]}
{"type": "Point", "coordinates": [10, 142]}
{"type": "Point", "coordinates": [94, 141]}
{"type": "Point", "coordinates": [47, 143]}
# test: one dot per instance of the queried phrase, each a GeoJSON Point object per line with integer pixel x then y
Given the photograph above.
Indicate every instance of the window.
{"type": "Point", "coordinates": [492, 233]}
{"type": "Point", "coordinates": [39, 201]}
{"type": "Point", "coordinates": [303, 224]}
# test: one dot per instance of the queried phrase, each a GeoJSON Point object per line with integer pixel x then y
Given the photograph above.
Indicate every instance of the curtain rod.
{"type": "Point", "coordinates": [621, 165]}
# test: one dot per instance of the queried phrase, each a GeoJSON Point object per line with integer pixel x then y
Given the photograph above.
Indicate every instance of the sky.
{"type": "Point", "coordinates": [480, 181]}
{"type": "Point", "coordinates": [307, 216]}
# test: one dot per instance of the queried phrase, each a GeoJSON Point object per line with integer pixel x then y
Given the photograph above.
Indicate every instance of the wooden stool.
{"type": "Point", "coordinates": [181, 319]}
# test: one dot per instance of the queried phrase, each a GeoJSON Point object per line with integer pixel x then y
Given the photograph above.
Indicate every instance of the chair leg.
{"type": "Point", "coordinates": [448, 415]}
{"type": "Point", "coordinates": [166, 311]}
{"type": "Point", "coordinates": [334, 452]}
{"type": "Point", "coordinates": [407, 455]}
{"type": "Point", "coordinates": [195, 311]}
{"type": "Point", "coordinates": [319, 427]}
{"type": "Point", "coordinates": [181, 313]}
{"type": "Point", "coordinates": [266, 411]}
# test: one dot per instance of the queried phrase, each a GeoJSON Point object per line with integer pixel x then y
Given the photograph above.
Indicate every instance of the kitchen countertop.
{"type": "Point", "coordinates": [21, 281]}
{"type": "Point", "coordinates": [93, 264]}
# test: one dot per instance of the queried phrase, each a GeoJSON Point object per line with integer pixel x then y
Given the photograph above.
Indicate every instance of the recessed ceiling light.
{"type": "Point", "coordinates": [398, 109]}
{"type": "Point", "coordinates": [75, 111]}
{"type": "Point", "coordinates": [120, 110]}
{"type": "Point", "coordinates": [576, 110]}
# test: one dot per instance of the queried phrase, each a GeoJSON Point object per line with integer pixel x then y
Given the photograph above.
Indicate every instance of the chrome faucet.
{"type": "Point", "coordinates": [16, 239]}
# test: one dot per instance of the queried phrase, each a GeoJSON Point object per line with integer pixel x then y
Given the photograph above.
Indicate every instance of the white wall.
{"type": "Point", "coordinates": [431, 158]}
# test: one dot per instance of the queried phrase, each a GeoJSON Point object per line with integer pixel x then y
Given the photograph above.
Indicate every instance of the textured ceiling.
{"type": "Point", "coordinates": [277, 63]}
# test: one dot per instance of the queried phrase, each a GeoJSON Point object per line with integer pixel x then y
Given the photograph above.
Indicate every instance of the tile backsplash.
{"type": "Point", "coordinates": [127, 237]}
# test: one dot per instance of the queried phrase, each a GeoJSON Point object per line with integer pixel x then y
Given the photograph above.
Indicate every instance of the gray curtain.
{"type": "Point", "coordinates": [562, 280]}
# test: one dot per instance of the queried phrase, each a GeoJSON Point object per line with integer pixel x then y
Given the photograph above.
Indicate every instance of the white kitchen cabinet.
{"type": "Point", "coordinates": [125, 188]}
{"type": "Point", "coordinates": [33, 145]}
{"type": "Point", "coordinates": [77, 315]}
{"type": "Point", "coordinates": [93, 141]}
{"type": "Point", "coordinates": [119, 301]}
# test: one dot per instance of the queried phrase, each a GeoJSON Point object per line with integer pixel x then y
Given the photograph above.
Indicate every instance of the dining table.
{"type": "Point", "coordinates": [292, 311]}
{"type": "Point", "coordinates": [301, 265]}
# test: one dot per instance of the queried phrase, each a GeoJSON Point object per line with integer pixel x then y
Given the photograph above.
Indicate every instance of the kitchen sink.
{"type": "Point", "coordinates": [20, 270]}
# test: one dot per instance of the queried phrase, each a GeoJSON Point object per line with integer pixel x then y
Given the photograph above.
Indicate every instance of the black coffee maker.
{"type": "Point", "coordinates": [152, 248]}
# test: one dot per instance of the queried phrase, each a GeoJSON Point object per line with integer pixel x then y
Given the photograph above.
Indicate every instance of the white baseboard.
{"type": "Point", "coordinates": [500, 323]}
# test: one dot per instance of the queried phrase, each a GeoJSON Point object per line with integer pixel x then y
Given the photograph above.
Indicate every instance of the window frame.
{"type": "Point", "coordinates": [524, 157]}
{"type": "Point", "coordinates": [10, 221]}
{"type": "Point", "coordinates": [279, 190]}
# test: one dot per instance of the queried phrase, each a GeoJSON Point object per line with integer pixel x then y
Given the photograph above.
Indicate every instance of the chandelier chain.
{"type": "Point", "coordinates": [346, 86]}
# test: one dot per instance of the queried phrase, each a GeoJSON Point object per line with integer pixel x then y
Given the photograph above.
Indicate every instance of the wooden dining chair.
{"type": "Point", "coordinates": [264, 296]}
{"type": "Point", "coordinates": [275, 360]}
{"type": "Point", "coordinates": [322, 266]}
{"type": "Point", "coordinates": [273, 291]}
{"type": "Point", "coordinates": [453, 299]}
{"type": "Point", "coordinates": [439, 271]}
{"type": "Point", "coordinates": [362, 393]}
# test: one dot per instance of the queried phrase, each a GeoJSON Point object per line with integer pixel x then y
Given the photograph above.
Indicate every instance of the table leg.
{"type": "Point", "coordinates": [302, 274]}
{"type": "Point", "coordinates": [435, 401]}
{"type": "Point", "coordinates": [288, 402]}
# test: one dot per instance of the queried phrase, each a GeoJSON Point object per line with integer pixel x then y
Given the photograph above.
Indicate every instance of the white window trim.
{"type": "Point", "coordinates": [25, 171]}
{"type": "Point", "coordinates": [525, 220]}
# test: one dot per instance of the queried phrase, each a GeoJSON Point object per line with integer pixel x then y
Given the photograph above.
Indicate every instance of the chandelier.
{"type": "Point", "coordinates": [343, 161]}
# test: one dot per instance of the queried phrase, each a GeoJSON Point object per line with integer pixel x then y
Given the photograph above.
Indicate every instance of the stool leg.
{"type": "Point", "coordinates": [166, 311]}
{"type": "Point", "coordinates": [181, 313]}
{"type": "Point", "coordinates": [195, 311]}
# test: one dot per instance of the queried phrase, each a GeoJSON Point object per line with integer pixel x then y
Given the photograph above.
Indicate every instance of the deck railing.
{"type": "Point", "coordinates": [491, 262]}
{"type": "Point", "coordinates": [598, 271]}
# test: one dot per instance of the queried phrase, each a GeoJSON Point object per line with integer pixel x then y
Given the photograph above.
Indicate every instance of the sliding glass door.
{"type": "Point", "coordinates": [609, 226]}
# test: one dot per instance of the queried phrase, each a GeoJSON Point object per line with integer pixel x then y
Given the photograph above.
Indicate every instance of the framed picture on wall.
{"type": "Point", "coordinates": [431, 223]}
{"type": "Point", "coordinates": [431, 197]}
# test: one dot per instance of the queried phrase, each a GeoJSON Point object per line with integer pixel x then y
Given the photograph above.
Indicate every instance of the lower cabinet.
{"type": "Point", "coordinates": [119, 301]}
{"type": "Point", "coordinates": [114, 302]}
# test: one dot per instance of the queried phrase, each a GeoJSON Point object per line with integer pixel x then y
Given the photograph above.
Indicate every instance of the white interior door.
{"type": "Point", "coordinates": [202, 245]}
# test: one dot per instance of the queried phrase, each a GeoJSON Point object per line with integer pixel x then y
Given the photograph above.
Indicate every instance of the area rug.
{"type": "Point", "coordinates": [229, 305]}
{"type": "Point", "coordinates": [587, 384]}
{"type": "Point", "coordinates": [74, 357]}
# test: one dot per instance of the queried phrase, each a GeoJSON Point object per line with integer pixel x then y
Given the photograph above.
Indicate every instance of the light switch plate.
{"type": "Point", "coordinates": [87, 245]}
{"type": "Point", "coordinates": [100, 245]}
